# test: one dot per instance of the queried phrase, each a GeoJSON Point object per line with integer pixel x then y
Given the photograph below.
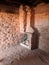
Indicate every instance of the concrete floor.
{"type": "Point", "coordinates": [18, 55]}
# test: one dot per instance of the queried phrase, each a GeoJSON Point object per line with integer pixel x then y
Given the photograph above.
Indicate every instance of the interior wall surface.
{"type": "Point", "coordinates": [42, 24]}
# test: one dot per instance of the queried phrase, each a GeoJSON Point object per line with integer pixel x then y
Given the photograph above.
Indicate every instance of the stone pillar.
{"type": "Point", "coordinates": [29, 29]}
{"type": "Point", "coordinates": [21, 18]}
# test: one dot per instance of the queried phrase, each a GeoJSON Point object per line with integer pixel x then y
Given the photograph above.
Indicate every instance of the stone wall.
{"type": "Point", "coordinates": [9, 25]}
{"type": "Point", "coordinates": [42, 24]}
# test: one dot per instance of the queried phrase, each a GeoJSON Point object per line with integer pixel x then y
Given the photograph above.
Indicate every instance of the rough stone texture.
{"type": "Point", "coordinates": [9, 26]}
{"type": "Point", "coordinates": [42, 24]}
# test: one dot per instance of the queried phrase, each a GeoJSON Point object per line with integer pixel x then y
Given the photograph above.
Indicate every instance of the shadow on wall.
{"type": "Point", "coordinates": [35, 39]}
{"type": "Point", "coordinates": [11, 9]}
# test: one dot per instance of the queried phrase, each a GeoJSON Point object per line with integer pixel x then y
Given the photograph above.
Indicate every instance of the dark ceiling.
{"type": "Point", "coordinates": [27, 2]}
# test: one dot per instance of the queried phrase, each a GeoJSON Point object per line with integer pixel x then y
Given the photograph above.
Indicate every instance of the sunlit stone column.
{"type": "Point", "coordinates": [25, 24]}
{"type": "Point", "coordinates": [29, 29]}
{"type": "Point", "coordinates": [21, 18]}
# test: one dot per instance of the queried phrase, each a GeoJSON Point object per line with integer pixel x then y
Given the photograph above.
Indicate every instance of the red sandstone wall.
{"type": "Point", "coordinates": [42, 24]}
{"type": "Point", "coordinates": [9, 25]}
